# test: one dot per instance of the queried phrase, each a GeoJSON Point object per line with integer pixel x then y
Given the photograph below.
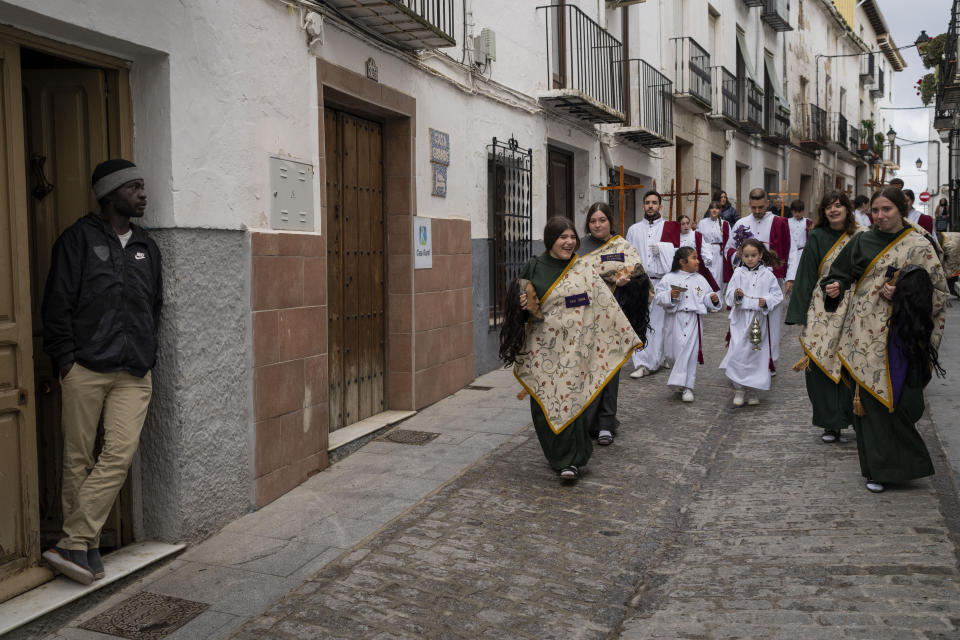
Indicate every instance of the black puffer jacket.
{"type": "Point", "coordinates": [101, 305]}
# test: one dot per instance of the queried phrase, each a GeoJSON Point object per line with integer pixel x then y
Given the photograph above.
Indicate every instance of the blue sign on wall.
{"type": "Point", "coordinates": [439, 161]}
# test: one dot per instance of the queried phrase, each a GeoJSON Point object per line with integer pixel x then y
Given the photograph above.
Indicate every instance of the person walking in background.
{"type": "Point", "coordinates": [942, 216]}
{"type": "Point", "coordinates": [751, 294]}
{"type": "Point", "coordinates": [101, 311]}
{"type": "Point", "coordinates": [799, 228]}
{"type": "Point", "coordinates": [727, 211]}
{"type": "Point", "coordinates": [833, 228]}
{"type": "Point", "coordinates": [898, 298]}
{"type": "Point", "coordinates": [861, 211]}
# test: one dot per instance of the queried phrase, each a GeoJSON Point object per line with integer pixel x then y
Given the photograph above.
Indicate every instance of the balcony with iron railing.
{"type": "Point", "coordinates": [584, 69]}
{"type": "Point", "coordinates": [853, 141]}
{"type": "Point", "coordinates": [776, 129]}
{"type": "Point", "coordinates": [948, 87]}
{"type": "Point", "coordinates": [776, 13]}
{"type": "Point", "coordinates": [877, 90]}
{"type": "Point", "coordinates": [726, 99]}
{"type": "Point", "coordinates": [691, 80]}
{"type": "Point", "coordinates": [650, 121]}
{"type": "Point", "coordinates": [837, 132]}
{"type": "Point", "coordinates": [408, 24]}
{"type": "Point", "coordinates": [751, 106]}
{"type": "Point", "coordinates": [891, 156]}
{"type": "Point", "coordinates": [813, 127]}
{"type": "Point", "coordinates": [868, 70]}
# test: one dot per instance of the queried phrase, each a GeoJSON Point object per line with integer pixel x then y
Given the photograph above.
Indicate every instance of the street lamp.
{"type": "Point", "coordinates": [891, 135]}
{"type": "Point", "coordinates": [919, 163]}
{"type": "Point", "coordinates": [921, 40]}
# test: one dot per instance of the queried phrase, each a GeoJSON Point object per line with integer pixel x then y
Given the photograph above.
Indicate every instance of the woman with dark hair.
{"type": "Point", "coordinates": [727, 210]}
{"type": "Point", "coordinates": [567, 338]}
{"type": "Point", "coordinates": [621, 267]}
{"type": "Point", "coordinates": [833, 228]}
{"type": "Point", "coordinates": [861, 211]}
{"type": "Point", "coordinates": [892, 323]}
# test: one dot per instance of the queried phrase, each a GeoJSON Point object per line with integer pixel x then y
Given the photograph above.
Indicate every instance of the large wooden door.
{"type": "Point", "coordinates": [356, 276]}
{"type": "Point", "coordinates": [559, 183]}
{"type": "Point", "coordinates": [65, 112]}
{"type": "Point", "coordinates": [19, 521]}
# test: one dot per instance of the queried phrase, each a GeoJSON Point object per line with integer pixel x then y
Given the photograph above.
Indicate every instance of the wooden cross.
{"type": "Point", "coordinates": [783, 203]}
{"type": "Point", "coordinates": [676, 193]}
{"type": "Point", "coordinates": [879, 179]}
{"type": "Point", "coordinates": [622, 189]}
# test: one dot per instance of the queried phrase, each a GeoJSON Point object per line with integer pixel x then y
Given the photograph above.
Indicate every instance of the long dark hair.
{"type": "Point", "coordinates": [768, 257]}
{"type": "Point", "coordinates": [555, 226]}
{"type": "Point", "coordinates": [894, 195]}
{"type": "Point", "coordinates": [912, 321]}
{"type": "Point", "coordinates": [680, 254]}
{"type": "Point", "coordinates": [513, 331]}
{"type": "Point", "coordinates": [603, 208]}
{"type": "Point", "coordinates": [844, 201]}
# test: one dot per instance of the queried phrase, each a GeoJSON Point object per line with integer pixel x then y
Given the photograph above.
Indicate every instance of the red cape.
{"type": "Point", "coordinates": [671, 234]}
{"type": "Point", "coordinates": [779, 243]}
{"type": "Point", "coordinates": [926, 222]}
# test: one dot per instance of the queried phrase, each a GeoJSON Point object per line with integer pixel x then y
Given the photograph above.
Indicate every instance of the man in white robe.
{"type": "Point", "coordinates": [799, 227]}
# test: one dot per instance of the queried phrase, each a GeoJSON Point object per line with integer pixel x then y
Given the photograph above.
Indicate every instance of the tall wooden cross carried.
{"type": "Point", "coordinates": [783, 203]}
{"type": "Point", "coordinates": [879, 179]}
{"type": "Point", "coordinates": [622, 190]}
{"type": "Point", "coordinates": [674, 194]}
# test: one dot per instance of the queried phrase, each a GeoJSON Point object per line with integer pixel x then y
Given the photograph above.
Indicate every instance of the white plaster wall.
{"type": "Point", "coordinates": [218, 87]}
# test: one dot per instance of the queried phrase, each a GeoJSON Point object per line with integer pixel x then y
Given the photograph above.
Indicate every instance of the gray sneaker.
{"type": "Point", "coordinates": [70, 563]}
{"type": "Point", "coordinates": [95, 562]}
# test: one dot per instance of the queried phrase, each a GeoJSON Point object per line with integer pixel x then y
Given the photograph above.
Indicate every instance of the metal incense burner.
{"type": "Point", "coordinates": [756, 335]}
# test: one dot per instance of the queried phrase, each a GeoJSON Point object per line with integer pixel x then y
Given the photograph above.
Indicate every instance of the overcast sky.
{"type": "Point", "coordinates": [906, 18]}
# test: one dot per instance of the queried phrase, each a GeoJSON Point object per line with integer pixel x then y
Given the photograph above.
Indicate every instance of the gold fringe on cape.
{"type": "Point", "coordinates": [803, 364]}
{"type": "Point", "coordinates": [858, 409]}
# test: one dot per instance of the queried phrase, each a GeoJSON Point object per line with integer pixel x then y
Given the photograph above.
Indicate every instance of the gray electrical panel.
{"type": "Point", "coordinates": [291, 195]}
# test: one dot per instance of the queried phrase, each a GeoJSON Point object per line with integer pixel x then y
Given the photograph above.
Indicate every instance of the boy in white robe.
{"type": "Point", "coordinates": [684, 295]}
{"type": "Point", "coordinates": [753, 292]}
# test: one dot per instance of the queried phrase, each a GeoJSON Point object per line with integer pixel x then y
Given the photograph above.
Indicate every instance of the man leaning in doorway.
{"type": "Point", "coordinates": [101, 308]}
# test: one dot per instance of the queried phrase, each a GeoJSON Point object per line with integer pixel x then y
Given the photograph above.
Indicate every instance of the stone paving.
{"type": "Point", "coordinates": [701, 521]}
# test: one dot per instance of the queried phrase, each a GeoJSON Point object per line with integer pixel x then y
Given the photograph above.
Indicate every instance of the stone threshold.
{"type": "Point", "coordinates": [358, 430]}
{"type": "Point", "coordinates": [60, 591]}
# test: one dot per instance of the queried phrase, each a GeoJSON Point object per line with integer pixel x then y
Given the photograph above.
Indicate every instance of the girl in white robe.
{"type": "Point", "coordinates": [684, 295]}
{"type": "Point", "coordinates": [753, 291]}
{"type": "Point", "coordinates": [712, 229]}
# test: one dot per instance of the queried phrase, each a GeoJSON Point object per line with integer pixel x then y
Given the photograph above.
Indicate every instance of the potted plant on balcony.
{"type": "Point", "coordinates": [866, 133]}
{"type": "Point", "coordinates": [878, 141]}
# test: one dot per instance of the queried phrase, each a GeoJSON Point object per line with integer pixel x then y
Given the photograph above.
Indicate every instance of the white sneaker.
{"type": "Point", "coordinates": [687, 395]}
{"type": "Point", "coordinates": [640, 372]}
{"type": "Point", "coordinates": [738, 398]}
{"type": "Point", "coordinates": [753, 399]}
{"type": "Point", "coordinates": [666, 364]}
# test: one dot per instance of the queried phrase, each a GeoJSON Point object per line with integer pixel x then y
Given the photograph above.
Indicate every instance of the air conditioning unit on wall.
{"type": "Point", "coordinates": [485, 45]}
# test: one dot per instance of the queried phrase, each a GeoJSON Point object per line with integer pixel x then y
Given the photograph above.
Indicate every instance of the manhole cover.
{"type": "Point", "coordinates": [406, 436]}
{"type": "Point", "coordinates": [145, 616]}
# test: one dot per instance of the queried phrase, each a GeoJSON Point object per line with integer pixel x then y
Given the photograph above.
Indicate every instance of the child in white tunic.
{"type": "Point", "coordinates": [685, 296]}
{"type": "Point", "coordinates": [752, 292]}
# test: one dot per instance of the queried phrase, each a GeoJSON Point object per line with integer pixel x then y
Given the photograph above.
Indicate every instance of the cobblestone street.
{"type": "Point", "coordinates": [701, 521]}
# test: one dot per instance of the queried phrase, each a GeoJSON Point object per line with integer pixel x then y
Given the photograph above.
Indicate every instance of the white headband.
{"type": "Point", "coordinates": [111, 181]}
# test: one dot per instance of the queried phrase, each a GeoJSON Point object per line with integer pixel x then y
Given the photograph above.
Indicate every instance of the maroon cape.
{"type": "Point", "coordinates": [779, 244]}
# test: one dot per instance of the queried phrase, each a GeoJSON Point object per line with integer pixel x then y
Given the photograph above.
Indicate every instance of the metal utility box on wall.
{"type": "Point", "coordinates": [291, 192]}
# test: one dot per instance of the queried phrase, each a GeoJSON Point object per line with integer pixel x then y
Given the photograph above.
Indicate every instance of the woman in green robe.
{"type": "Point", "coordinates": [834, 226]}
{"type": "Point", "coordinates": [567, 339]}
{"type": "Point", "coordinates": [879, 353]}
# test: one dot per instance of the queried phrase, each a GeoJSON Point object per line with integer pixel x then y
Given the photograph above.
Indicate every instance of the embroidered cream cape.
{"type": "Point", "coordinates": [607, 269]}
{"type": "Point", "coordinates": [570, 356]}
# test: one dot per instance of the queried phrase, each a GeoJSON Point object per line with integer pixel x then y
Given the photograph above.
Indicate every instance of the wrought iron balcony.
{"type": "Point", "coordinates": [726, 99]}
{"type": "Point", "coordinates": [409, 24]}
{"type": "Point", "coordinates": [891, 156]}
{"type": "Point", "coordinates": [853, 142]}
{"type": "Point", "coordinates": [877, 90]}
{"type": "Point", "coordinates": [838, 132]}
{"type": "Point", "coordinates": [751, 106]}
{"type": "Point", "coordinates": [776, 13]}
{"type": "Point", "coordinates": [776, 128]}
{"type": "Point", "coordinates": [651, 119]}
{"type": "Point", "coordinates": [948, 90]}
{"type": "Point", "coordinates": [813, 127]}
{"type": "Point", "coordinates": [584, 70]}
{"type": "Point", "coordinates": [692, 82]}
{"type": "Point", "coordinates": [868, 70]}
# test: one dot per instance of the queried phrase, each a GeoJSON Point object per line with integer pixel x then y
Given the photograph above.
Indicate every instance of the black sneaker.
{"type": "Point", "coordinates": [95, 563]}
{"type": "Point", "coordinates": [70, 563]}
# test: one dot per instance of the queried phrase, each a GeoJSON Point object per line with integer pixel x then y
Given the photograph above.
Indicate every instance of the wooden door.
{"type": "Point", "coordinates": [19, 522]}
{"type": "Point", "coordinates": [559, 183]}
{"type": "Point", "coordinates": [65, 112]}
{"type": "Point", "coordinates": [356, 276]}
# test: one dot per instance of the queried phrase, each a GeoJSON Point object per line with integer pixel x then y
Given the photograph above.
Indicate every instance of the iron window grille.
{"type": "Point", "coordinates": [510, 218]}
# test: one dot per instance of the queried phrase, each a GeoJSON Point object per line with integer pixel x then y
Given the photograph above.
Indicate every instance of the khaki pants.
{"type": "Point", "coordinates": [91, 486]}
